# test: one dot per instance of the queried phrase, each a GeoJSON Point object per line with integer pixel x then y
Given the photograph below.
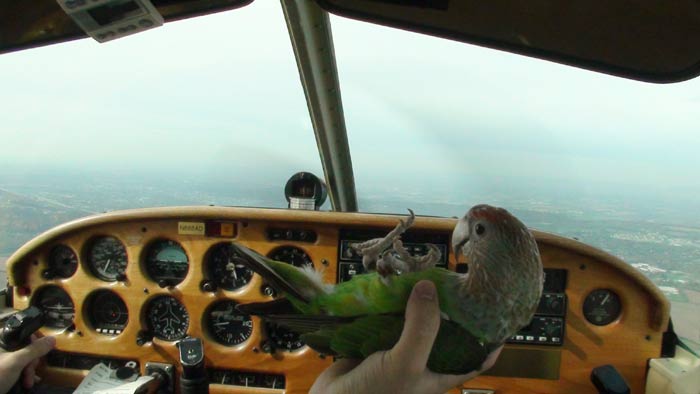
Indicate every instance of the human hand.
{"type": "Point", "coordinates": [23, 361]}
{"type": "Point", "coordinates": [403, 369]}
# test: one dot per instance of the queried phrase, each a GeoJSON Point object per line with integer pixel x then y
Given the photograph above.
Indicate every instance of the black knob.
{"type": "Point", "coordinates": [266, 347]}
{"type": "Point", "coordinates": [121, 277]}
{"type": "Point", "coordinates": [269, 291]}
{"type": "Point", "coordinates": [143, 337]}
{"type": "Point", "coordinates": [608, 380]}
{"type": "Point", "coordinates": [208, 286]}
{"type": "Point", "coordinates": [163, 283]}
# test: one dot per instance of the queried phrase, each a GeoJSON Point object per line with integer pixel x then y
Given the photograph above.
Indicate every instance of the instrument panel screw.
{"type": "Point", "coordinates": [145, 290]}
{"type": "Point", "coordinates": [208, 286]}
{"type": "Point", "coordinates": [324, 262]}
{"type": "Point", "coordinates": [582, 267]}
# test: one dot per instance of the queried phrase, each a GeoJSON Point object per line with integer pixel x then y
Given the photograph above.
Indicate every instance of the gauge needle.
{"type": "Point", "coordinates": [109, 261]}
{"type": "Point", "coordinates": [226, 323]}
{"type": "Point", "coordinates": [607, 297]}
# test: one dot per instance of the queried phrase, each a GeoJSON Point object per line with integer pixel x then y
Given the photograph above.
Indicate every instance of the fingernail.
{"type": "Point", "coordinates": [425, 289]}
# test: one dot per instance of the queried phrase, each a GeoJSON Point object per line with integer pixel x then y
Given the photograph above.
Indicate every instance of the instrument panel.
{"type": "Point", "coordinates": [126, 286]}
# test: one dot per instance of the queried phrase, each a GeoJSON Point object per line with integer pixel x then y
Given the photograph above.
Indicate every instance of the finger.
{"type": "Point", "coordinates": [447, 382]}
{"type": "Point", "coordinates": [36, 349]}
{"type": "Point", "coordinates": [341, 367]}
{"type": "Point", "coordinates": [29, 373]}
{"type": "Point", "coordinates": [420, 329]}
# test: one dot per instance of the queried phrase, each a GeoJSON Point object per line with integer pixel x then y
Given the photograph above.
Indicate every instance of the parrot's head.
{"type": "Point", "coordinates": [493, 239]}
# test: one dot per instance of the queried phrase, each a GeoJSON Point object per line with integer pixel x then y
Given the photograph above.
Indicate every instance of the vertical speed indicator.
{"type": "Point", "coordinates": [228, 326]}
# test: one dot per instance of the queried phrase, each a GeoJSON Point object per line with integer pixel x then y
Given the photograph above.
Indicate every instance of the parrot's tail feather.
{"type": "Point", "coordinates": [320, 341]}
{"type": "Point", "coordinates": [280, 306]}
{"type": "Point", "coordinates": [258, 263]}
{"type": "Point", "coordinates": [308, 323]}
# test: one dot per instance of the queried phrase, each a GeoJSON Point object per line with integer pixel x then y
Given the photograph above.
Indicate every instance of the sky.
{"type": "Point", "coordinates": [220, 97]}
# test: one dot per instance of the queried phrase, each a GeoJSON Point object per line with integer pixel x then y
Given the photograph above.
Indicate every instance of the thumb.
{"type": "Point", "coordinates": [421, 327]}
{"type": "Point", "coordinates": [21, 358]}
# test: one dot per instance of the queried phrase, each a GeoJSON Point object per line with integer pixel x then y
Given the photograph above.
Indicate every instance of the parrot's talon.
{"type": "Point", "coordinates": [372, 251]}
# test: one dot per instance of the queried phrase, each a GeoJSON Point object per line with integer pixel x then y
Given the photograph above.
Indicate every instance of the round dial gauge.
{"type": "Point", "coordinates": [62, 262]}
{"type": "Point", "coordinates": [228, 326]}
{"type": "Point", "coordinates": [107, 312]}
{"type": "Point", "coordinates": [107, 258]}
{"type": "Point", "coordinates": [602, 307]}
{"type": "Point", "coordinates": [292, 255]}
{"type": "Point", "coordinates": [282, 338]}
{"type": "Point", "coordinates": [57, 305]}
{"type": "Point", "coordinates": [167, 263]}
{"type": "Point", "coordinates": [167, 318]}
{"type": "Point", "coordinates": [226, 268]}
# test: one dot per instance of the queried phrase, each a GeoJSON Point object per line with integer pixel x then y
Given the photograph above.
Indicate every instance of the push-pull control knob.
{"type": "Point", "coordinates": [194, 376]}
{"type": "Point", "coordinates": [609, 381]}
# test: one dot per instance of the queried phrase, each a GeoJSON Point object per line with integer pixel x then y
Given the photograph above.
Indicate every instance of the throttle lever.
{"type": "Point", "coordinates": [194, 377]}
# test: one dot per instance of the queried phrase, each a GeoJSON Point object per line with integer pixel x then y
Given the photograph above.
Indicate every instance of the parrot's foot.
{"type": "Point", "coordinates": [372, 251]}
{"type": "Point", "coordinates": [417, 263]}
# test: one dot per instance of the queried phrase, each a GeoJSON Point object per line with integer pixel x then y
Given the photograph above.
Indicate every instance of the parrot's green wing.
{"type": "Point", "coordinates": [455, 351]}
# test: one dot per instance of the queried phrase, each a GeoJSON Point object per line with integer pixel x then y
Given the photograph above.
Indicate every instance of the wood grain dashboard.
{"type": "Point", "coordinates": [627, 343]}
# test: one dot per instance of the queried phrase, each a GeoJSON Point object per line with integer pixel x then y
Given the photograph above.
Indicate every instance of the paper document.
{"type": "Point", "coordinates": [101, 380]}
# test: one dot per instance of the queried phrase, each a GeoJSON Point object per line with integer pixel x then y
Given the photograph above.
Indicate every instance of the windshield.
{"type": "Point", "coordinates": [198, 112]}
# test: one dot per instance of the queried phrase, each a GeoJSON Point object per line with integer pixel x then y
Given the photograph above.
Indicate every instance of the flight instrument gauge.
{"type": "Point", "coordinates": [167, 318]}
{"type": "Point", "coordinates": [228, 326]}
{"type": "Point", "coordinates": [62, 262]}
{"type": "Point", "coordinates": [57, 306]}
{"type": "Point", "coordinates": [107, 312]}
{"type": "Point", "coordinates": [282, 338]}
{"type": "Point", "coordinates": [292, 255]}
{"type": "Point", "coordinates": [107, 258]}
{"type": "Point", "coordinates": [226, 268]}
{"type": "Point", "coordinates": [166, 263]}
{"type": "Point", "coordinates": [602, 307]}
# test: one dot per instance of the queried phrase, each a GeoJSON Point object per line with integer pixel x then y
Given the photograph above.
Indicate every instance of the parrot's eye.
{"type": "Point", "coordinates": [480, 229]}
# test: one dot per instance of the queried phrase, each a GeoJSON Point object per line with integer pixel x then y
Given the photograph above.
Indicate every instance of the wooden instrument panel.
{"type": "Point", "coordinates": [626, 343]}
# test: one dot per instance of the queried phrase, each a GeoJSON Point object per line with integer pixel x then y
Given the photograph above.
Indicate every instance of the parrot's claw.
{"type": "Point", "coordinates": [372, 250]}
{"type": "Point", "coordinates": [417, 263]}
{"type": "Point", "coordinates": [389, 264]}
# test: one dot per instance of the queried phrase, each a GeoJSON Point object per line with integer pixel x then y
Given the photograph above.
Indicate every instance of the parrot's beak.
{"type": "Point", "coordinates": [460, 236]}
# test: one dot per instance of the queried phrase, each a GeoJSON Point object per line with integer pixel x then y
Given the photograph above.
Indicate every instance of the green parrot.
{"type": "Point", "coordinates": [480, 309]}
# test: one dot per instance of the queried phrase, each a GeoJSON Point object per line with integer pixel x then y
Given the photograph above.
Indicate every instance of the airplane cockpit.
{"type": "Point", "coordinates": [134, 268]}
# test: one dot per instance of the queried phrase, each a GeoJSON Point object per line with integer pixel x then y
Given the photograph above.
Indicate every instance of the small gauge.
{"type": "Point", "coordinates": [57, 305]}
{"type": "Point", "coordinates": [107, 258]}
{"type": "Point", "coordinates": [167, 318]}
{"type": "Point", "coordinates": [62, 262]}
{"type": "Point", "coordinates": [228, 326]}
{"type": "Point", "coordinates": [107, 312]}
{"type": "Point", "coordinates": [166, 262]}
{"type": "Point", "coordinates": [226, 268]}
{"type": "Point", "coordinates": [292, 255]}
{"type": "Point", "coordinates": [282, 338]}
{"type": "Point", "coordinates": [602, 307]}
